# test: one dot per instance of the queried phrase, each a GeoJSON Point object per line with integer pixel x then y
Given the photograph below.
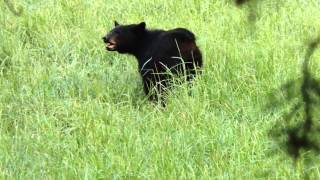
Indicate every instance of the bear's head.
{"type": "Point", "coordinates": [124, 38]}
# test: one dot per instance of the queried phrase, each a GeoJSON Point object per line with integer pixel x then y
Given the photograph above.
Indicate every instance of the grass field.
{"type": "Point", "coordinates": [71, 110]}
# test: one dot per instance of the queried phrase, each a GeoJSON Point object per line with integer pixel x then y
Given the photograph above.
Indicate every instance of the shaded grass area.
{"type": "Point", "coordinates": [71, 110]}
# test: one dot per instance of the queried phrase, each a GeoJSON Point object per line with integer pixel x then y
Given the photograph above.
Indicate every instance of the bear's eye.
{"type": "Point", "coordinates": [117, 31]}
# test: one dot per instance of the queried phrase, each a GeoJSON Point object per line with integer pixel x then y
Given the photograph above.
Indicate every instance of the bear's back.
{"type": "Point", "coordinates": [181, 34]}
{"type": "Point", "coordinates": [169, 50]}
{"type": "Point", "coordinates": [171, 43]}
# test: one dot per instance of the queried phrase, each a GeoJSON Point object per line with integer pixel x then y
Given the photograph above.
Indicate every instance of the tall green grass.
{"type": "Point", "coordinates": [71, 110]}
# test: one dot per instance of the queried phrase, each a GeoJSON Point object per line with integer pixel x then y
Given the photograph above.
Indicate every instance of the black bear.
{"type": "Point", "coordinates": [160, 54]}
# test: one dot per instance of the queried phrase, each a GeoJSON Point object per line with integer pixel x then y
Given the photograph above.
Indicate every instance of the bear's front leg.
{"type": "Point", "coordinates": [155, 90]}
{"type": "Point", "coordinates": [147, 87]}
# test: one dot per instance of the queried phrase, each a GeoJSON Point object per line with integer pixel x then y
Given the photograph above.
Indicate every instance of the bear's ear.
{"type": "Point", "coordinates": [142, 25]}
{"type": "Point", "coordinates": [116, 23]}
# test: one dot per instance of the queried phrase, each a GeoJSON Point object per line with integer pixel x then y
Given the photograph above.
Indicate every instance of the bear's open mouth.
{"type": "Point", "coordinates": [111, 46]}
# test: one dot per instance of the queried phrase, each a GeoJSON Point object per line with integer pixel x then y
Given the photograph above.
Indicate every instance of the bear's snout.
{"type": "Point", "coordinates": [110, 43]}
{"type": "Point", "coordinates": [105, 40]}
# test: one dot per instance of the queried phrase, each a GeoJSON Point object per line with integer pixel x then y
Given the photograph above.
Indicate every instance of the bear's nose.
{"type": "Point", "coordinates": [105, 40]}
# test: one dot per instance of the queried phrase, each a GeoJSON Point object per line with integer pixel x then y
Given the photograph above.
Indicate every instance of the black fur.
{"type": "Point", "coordinates": [157, 51]}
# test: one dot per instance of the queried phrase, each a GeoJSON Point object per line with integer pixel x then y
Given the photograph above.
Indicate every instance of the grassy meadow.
{"type": "Point", "coordinates": [71, 110]}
